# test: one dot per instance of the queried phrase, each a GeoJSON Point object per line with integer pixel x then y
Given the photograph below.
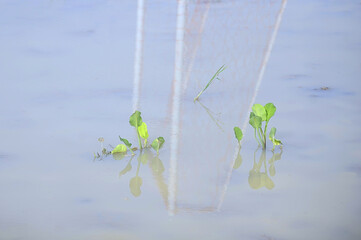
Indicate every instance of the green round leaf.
{"type": "Point", "coordinates": [255, 121]}
{"type": "Point", "coordinates": [143, 131]}
{"type": "Point", "coordinates": [270, 110]}
{"type": "Point", "coordinates": [260, 111]}
{"type": "Point", "coordinates": [135, 119]}
{"type": "Point", "coordinates": [238, 133]}
{"type": "Point", "coordinates": [121, 148]}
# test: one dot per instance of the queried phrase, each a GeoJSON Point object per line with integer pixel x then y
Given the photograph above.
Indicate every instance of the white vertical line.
{"type": "Point", "coordinates": [178, 67]}
{"type": "Point", "coordinates": [138, 53]}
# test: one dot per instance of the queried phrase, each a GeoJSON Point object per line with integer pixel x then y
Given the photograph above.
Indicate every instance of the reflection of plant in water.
{"type": "Point", "coordinates": [238, 161]}
{"type": "Point", "coordinates": [146, 156]}
{"type": "Point", "coordinates": [215, 117]}
{"type": "Point", "coordinates": [258, 179]}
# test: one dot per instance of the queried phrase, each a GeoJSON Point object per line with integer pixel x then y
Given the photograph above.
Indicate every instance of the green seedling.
{"type": "Point", "coordinates": [143, 132]}
{"type": "Point", "coordinates": [215, 76]}
{"type": "Point", "coordinates": [128, 144]}
{"type": "Point", "coordinates": [275, 141]}
{"type": "Point", "coordinates": [157, 144]}
{"type": "Point", "coordinates": [238, 134]}
{"type": "Point", "coordinates": [259, 115]}
{"type": "Point", "coordinates": [135, 120]}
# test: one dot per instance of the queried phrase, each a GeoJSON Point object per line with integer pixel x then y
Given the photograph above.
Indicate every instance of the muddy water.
{"type": "Point", "coordinates": [72, 72]}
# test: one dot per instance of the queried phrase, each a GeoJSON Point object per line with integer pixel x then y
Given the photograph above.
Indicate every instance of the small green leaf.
{"type": "Point", "coordinates": [238, 133]}
{"type": "Point", "coordinates": [255, 121]}
{"type": "Point", "coordinates": [270, 110]}
{"type": "Point", "coordinates": [260, 111]}
{"type": "Point", "coordinates": [161, 141]}
{"type": "Point", "coordinates": [121, 148]}
{"type": "Point", "coordinates": [135, 119]}
{"type": "Point", "coordinates": [272, 133]}
{"type": "Point", "coordinates": [126, 142]}
{"type": "Point", "coordinates": [134, 185]}
{"type": "Point", "coordinates": [143, 131]}
{"type": "Point", "coordinates": [157, 143]}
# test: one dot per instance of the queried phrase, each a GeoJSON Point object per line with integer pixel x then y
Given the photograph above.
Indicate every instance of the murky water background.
{"type": "Point", "coordinates": [72, 71]}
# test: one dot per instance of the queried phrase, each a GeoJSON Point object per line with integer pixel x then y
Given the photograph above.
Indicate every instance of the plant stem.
{"type": "Point", "coordinates": [255, 136]}
{"type": "Point", "coordinates": [139, 142]}
{"type": "Point", "coordinates": [265, 132]}
{"type": "Point", "coordinates": [262, 138]}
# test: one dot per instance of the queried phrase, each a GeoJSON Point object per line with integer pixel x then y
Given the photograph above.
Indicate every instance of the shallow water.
{"type": "Point", "coordinates": [70, 74]}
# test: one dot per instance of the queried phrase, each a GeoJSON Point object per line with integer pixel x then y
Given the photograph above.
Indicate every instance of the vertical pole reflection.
{"type": "Point", "coordinates": [178, 67]}
{"type": "Point", "coordinates": [138, 61]}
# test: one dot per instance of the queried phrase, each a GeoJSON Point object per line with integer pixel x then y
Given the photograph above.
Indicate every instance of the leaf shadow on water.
{"type": "Point", "coordinates": [215, 117]}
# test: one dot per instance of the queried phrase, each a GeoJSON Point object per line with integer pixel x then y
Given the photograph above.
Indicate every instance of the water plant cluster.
{"type": "Point", "coordinates": [259, 115]}
{"type": "Point", "coordinates": [121, 149]}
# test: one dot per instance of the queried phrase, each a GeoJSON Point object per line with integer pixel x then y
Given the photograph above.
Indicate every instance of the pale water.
{"type": "Point", "coordinates": [74, 71]}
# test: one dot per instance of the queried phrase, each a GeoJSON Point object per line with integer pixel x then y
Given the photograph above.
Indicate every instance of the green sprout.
{"type": "Point", "coordinates": [215, 76]}
{"type": "Point", "coordinates": [135, 120]}
{"type": "Point", "coordinates": [259, 115]}
{"type": "Point", "coordinates": [128, 144]}
{"type": "Point", "coordinates": [157, 144]}
{"type": "Point", "coordinates": [239, 134]}
{"type": "Point", "coordinates": [143, 132]}
{"type": "Point", "coordinates": [275, 141]}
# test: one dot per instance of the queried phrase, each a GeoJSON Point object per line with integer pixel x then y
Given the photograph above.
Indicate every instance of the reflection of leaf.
{"type": "Point", "coordinates": [118, 156]}
{"type": "Point", "coordinates": [157, 166]}
{"type": "Point", "coordinates": [238, 161]}
{"type": "Point", "coordinates": [145, 155]}
{"type": "Point", "coordinates": [260, 111]}
{"type": "Point", "coordinates": [121, 148]}
{"type": "Point", "coordinates": [134, 186]}
{"type": "Point", "coordinates": [272, 170]}
{"type": "Point", "coordinates": [126, 169]}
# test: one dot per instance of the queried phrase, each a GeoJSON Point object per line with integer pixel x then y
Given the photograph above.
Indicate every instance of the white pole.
{"type": "Point", "coordinates": [138, 61]}
{"type": "Point", "coordinates": [178, 68]}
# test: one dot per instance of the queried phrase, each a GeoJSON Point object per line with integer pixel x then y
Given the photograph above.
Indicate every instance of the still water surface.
{"type": "Point", "coordinates": [74, 71]}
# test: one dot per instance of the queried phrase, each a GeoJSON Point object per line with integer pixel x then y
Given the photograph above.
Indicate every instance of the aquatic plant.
{"type": "Point", "coordinates": [259, 115]}
{"type": "Point", "coordinates": [135, 120]}
{"type": "Point", "coordinates": [158, 143]}
{"type": "Point", "coordinates": [120, 150]}
{"type": "Point", "coordinates": [128, 144]}
{"type": "Point", "coordinates": [215, 76]}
